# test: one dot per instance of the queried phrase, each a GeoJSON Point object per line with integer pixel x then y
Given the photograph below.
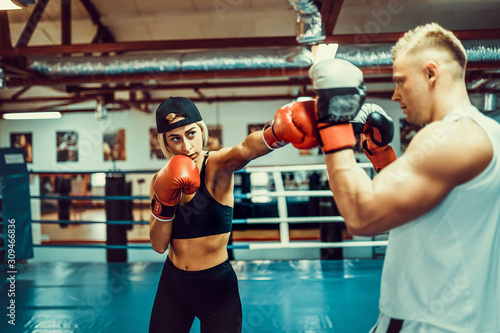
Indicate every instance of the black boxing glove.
{"type": "Point", "coordinates": [376, 130]}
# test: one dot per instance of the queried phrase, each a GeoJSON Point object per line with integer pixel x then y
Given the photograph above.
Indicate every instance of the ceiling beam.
{"type": "Point", "coordinates": [162, 45]}
{"type": "Point", "coordinates": [66, 22]}
{"type": "Point", "coordinates": [103, 33]}
{"type": "Point", "coordinates": [30, 26]}
{"type": "Point", "coordinates": [71, 99]}
{"type": "Point", "coordinates": [330, 10]}
{"type": "Point", "coordinates": [192, 85]}
{"type": "Point", "coordinates": [51, 107]}
{"type": "Point", "coordinates": [99, 35]}
{"type": "Point", "coordinates": [233, 98]}
{"type": "Point", "coordinates": [19, 93]}
{"type": "Point", "coordinates": [293, 82]}
{"type": "Point", "coordinates": [221, 43]}
{"type": "Point", "coordinates": [386, 94]}
{"type": "Point", "coordinates": [5, 39]}
{"type": "Point", "coordinates": [91, 93]}
{"type": "Point", "coordinates": [259, 97]}
{"type": "Point", "coordinates": [16, 66]}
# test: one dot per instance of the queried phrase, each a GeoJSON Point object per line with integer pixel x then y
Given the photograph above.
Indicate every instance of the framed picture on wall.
{"type": "Point", "coordinates": [155, 152]}
{"type": "Point", "coordinates": [255, 127]}
{"type": "Point", "coordinates": [24, 141]}
{"type": "Point", "coordinates": [67, 146]}
{"type": "Point", "coordinates": [214, 137]}
{"type": "Point", "coordinates": [407, 132]}
{"type": "Point", "coordinates": [113, 145]}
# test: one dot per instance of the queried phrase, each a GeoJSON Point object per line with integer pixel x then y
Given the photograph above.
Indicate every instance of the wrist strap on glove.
{"type": "Point", "coordinates": [336, 137]}
{"type": "Point", "coordinates": [380, 156]}
{"type": "Point", "coordinates": [162, 212]}
{"type": "Point", "coordinates": [272, 142]}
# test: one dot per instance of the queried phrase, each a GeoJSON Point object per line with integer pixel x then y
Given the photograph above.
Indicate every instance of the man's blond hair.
{"type": "Point", "coordinates": [431, 36]}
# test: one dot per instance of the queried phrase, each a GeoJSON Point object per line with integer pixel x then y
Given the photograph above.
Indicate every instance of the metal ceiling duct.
{"type": "Point", "coordinates": [298, 57]}
{"type": "Point", "coordinates": [308, 24]}
{"type": "Point", "coordinates": [173, 62]}
{"type": "Point", "coordinates": [112, 65]}
{"type": "Point", "coordinates": [380, 54]}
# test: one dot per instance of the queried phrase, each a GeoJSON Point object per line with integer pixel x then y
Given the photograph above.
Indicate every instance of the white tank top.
{"type": "Point", "coordinates": [444, 267]}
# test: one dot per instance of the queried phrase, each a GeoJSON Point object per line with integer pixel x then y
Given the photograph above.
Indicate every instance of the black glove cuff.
{"type": "Point", "coordinates": [161, 211]}
{"type": "Point", "coordinates": [336, 150]}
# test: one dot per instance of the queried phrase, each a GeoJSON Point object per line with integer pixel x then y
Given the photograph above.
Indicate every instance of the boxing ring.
{"type": "Point", "coordinates": [277, 296]}
{"type": "Point", "coordinates": [284, 295]}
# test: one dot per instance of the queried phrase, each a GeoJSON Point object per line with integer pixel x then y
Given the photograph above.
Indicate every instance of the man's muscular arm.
{"type": "Point", "coordinates": [439, 158]}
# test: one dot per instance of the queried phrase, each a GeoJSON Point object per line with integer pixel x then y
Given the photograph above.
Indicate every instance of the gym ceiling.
{"type": "Point", "coordinates": [66, 55]}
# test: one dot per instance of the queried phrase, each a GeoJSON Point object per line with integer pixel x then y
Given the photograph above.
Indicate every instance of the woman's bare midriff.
{"type": "Point", "coordinates": [196, 254]}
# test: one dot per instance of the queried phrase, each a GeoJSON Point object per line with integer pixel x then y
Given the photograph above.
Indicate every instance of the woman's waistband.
{"type": "Point", "coordinates": [203, 273]}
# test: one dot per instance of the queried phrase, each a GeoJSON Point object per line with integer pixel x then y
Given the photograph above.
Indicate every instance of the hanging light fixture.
{"type": "Point", "coordinates": [2, 79]}
{"type": "Point", "coordinates": [100, 110]}
{"type": "Point", "coordinates": [8, 5]}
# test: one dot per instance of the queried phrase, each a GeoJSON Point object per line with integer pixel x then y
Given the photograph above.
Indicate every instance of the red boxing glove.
{"type": "Point", "coordinates": [380, 156]}
{"type": "Point", "coordinates": [293, 123]}
{"type": "Point", "coordinates": [376, 130]}
{"type": "Point", "coordinates": [179, 175]}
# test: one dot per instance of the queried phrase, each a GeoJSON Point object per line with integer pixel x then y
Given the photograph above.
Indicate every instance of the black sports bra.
{"type": "Point", "coordinates": [202, 215]}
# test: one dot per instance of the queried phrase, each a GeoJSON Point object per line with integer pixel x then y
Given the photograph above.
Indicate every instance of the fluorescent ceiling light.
{"type": "Point", "coordinates": [32, 115]}
{"type": "Point", "coordinates": [7, 4]}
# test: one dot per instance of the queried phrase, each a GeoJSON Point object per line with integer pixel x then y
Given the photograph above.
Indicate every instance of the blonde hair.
{"type": "Point", "coordinates": [431, 36]}
{"type": "Point", "coordinates": [163, 141]}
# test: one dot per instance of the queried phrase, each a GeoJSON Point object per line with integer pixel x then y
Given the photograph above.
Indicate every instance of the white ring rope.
{"type": "Point", "coordinates": [305, 193]}
{"type": "Point", "coordinates": [307, 219]}
{"type": "Point", "coordinates": [305, 167]}
{"type": "Point", "coordinates": [305, 245]}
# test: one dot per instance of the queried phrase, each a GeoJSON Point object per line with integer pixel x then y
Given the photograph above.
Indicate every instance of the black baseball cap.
{"type": "Point", "coordinates": [181, 105]}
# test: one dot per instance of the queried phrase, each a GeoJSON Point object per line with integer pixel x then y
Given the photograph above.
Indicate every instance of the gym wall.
{"type": "Point", "coordinates": [234, 118]}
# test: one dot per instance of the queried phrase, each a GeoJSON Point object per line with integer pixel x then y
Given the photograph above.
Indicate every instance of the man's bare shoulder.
{"type": "Point", "coordinates": [459, 150]}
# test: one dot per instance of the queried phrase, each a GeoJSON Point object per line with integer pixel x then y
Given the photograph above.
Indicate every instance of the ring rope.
{"type": "Point", "coordinates": [259, 246]}
{"type": "Point", "coordinates": [88, 222]}
{"type": "Point", "coordinates": [261, 220]}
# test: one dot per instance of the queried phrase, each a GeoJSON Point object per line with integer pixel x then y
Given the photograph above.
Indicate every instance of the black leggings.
{"type": "Point", "coordinates": [211, 295]}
